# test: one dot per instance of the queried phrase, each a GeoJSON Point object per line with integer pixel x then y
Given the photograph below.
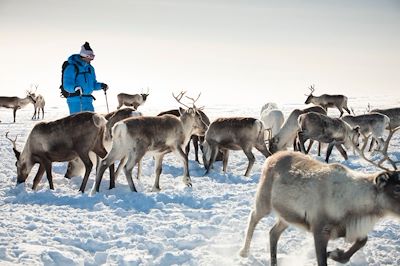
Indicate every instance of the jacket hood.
{"type": "Point", "coordinates": [76, 59]}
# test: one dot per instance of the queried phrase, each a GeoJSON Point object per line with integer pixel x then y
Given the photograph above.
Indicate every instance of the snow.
{"type": "Point", "coordinates": [202, 225]}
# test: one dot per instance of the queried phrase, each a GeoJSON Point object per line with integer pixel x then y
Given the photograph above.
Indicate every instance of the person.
{"type": "Point", "coordinates": [79, 80]}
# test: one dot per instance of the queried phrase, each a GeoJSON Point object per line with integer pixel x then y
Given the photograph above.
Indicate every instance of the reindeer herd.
{"type": "Point", "coordinates": [329, 200]}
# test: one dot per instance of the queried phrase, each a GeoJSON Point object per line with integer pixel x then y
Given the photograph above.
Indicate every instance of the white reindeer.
{"type": "Point", "coordinates": [272, 117]}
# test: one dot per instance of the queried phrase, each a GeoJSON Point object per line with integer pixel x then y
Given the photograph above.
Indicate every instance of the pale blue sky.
{"type": "Point", "coordinates": [234, 52]}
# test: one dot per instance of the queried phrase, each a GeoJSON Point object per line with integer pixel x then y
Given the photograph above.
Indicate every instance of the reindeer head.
{"type": "Point", "coordinates": [23, 168]}
{"type": "Point", "coordinates": [144, 95]}
{"type": "Point", "coordinates": [310, 96]}
{"type": "Point", "coordinates": [388, 186]}
{"type": "Point", "coordinates": [199, 126]}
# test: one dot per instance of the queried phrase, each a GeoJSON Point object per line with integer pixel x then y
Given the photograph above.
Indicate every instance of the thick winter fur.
{"type": "Point", "coordinates": [329, 200]}
{"type": "Point", "coordinates": [77, 168]}
{"type": "Point", "coordinates": [196, 140]}
{"type": "Point", "coordinates": [59, 141]}
{"type": "Point", "coordinates": [322, 128]}
{"type": "Point", "coordinates": [328, 101]}
{"type": "Point", "coordinates": [272, 118]}
{"type": "Point", "coordinates": [16, 103]}
{"type": "Point", "coordinates": [235, 133]}
{"type": "Point", "coordinates": [288, 132]}
{"type": "Point", "coordinates": [134, 137]}
{"type": "Point", "coordinates": [134, 100]}
{"type": "Point", "coordinates": [370, 124]}
{"type": "Point", "coordinates": [392, 113]}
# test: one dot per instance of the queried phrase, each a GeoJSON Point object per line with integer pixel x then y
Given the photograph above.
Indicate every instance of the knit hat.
{"type": "Point", "coordinates": [86, 51]}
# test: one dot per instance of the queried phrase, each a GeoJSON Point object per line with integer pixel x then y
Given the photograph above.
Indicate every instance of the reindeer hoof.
{"type": "Point", "coordinates": [189, 185]}
{"type": "Point", "coordinates": [155, 189]}
{"type": "Point", "coordinates": [338, 255]}
{"type": "Point", "coordinates": [244, 253]}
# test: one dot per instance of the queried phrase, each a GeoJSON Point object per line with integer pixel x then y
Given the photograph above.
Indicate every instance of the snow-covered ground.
{"type": "Point", "coordinates": [202, 225]}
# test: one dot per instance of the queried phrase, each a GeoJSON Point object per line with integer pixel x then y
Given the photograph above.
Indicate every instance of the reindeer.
{"type": "Point", "coordinates": [326, 101]}
{"type": "Point", "coordinates": [159, 135]}
{"type": "Point", "coordinates": [272, 117]}
{"type": "Point", "coordinates": [288, 132]}
{"type": "Point", "coordinates": [59, 141]}
{"type": "Point", "coordinates": [236, 133]}
{"type": "Point", "coordinates": [329, 200]}
{"type": "Point", "coordinates": [16, 103]}
{"type": "Point", "coordinates": [38, 104]}
{"type": "Point", "coordinates": [373, 124]}
{"type": "Point", "coordinates": [77, 168]}
{"type": "Point", "coordinates": [134, 100]}
{"type": "Point", "coordinates": [194, 138]}
{"type": "Point", "coordinates": [325, 129]}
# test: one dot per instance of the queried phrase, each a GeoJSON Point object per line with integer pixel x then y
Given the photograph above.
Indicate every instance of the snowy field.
{"type": "Point", "coordinates": [202, 225]}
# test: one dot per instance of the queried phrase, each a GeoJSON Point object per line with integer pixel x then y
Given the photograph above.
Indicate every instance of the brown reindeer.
{"type": "Point", "coordinates": [77, 168]}
{"type": "Point", "coordinates": [60, 141]}
{"type": "Point", "coordinates": [328, 101]}
{"type": "Point", "coordinates": [235, 133]}
{"type": "Point", "coordinates": [196, 140]}
{"type": "Point", "coordinates": [329, 200]}
{"type": "Point", "coordinates": [134, 100]}
{"type": "Point", "coordinates": [134, 137]}
{"type": "Point", "coordinates": [322, 128]}
{"type": "Point", "coordinates": [16, 103]}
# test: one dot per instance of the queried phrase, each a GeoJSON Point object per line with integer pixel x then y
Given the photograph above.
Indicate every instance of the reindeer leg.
{"type": "Point", "coordinates": [15, 113]}
{"type": "Point", "coordinates": [319, 148]}
{"type": "Point", "coordinates": [341, 150]}
{"type": "Point", "coordinates": [251, 158]}
{"type": "Point", "coordinates": [128, 171]}
{"type": "Point", "coordinates": [259, 211]}
{"type": "Point", "coordinates": [112, 176]}
{"type": "Point", "coordinates": [274, 235]}
{"type": "Point", "coordinates": [225, 159]}
{"type": "Point", "coordinates": [38, 176]}
{"type": "Point", "coordinates": [329, 151]}
{"type": "Point", "coordinates": [302, 139]}
{"type": "Point", "coordinates": [342, 256]}
{"type": "Point", "coordinates": [213, 155]}
{"type": "Point", "coordinates": [88, 168]}
{"type": "Point", "coordinates": [158, 169]}
{"type": "Point", "coordinates": [309, 146]}
{"type": "Point", "coordinates": [186, 176]}
{"type": "Point", "coordinates": [47, 165]}
{"type": "Point", "coordinates": [321, 238]}
{"type": "Point", "coordinates": [195, 141]}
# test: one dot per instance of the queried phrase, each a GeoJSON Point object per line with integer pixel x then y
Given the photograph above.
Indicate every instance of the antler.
{"type": "Point", "coordinates": [194, 100]}
{"type": "Point", "coordinates": [179, 98]}
{"type": "Point", "coordinates": [12, 141]}
{"type": "Point", "coordinates": [312, 89]}
{"type": "Point", "coordinates": [383, 151]}
{"type": "Point", "coordinates": [16, 152]}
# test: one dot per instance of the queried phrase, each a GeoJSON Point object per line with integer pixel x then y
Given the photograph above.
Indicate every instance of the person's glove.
{"type": "Point", "coordinates": [79, 90]}
{"type": "Point", "coordinates": [104, 86]}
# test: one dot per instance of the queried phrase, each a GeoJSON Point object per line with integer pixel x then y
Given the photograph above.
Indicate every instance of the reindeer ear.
{"type": "Point", "coordinates": [181, 110]}
{"type": "Point", "coordinates": [382, 179]}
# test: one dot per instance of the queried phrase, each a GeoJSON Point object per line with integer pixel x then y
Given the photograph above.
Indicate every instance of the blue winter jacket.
{"type": "Point", "coordinates": [85, 78]}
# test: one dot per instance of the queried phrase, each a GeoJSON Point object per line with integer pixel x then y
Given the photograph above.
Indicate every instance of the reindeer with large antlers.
{"type": "Point", "coordinates": [16, 103]}
{"type": "Point", "coordinates": [328, 101]}
{"type": "Point", "coordinates": [159, 135]}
